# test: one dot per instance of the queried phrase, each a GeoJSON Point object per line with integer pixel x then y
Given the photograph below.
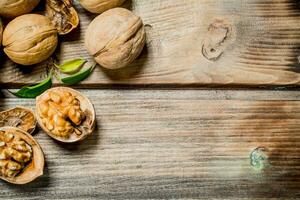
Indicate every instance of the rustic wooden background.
{"type": "Point", "coordinates": [260, 50]}
{"type": "Point", "coordinates": [188, 140]}
{"type": "Point", "coordinates": [174, 144]}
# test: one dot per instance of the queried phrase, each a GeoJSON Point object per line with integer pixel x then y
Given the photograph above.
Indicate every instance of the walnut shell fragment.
{"type": "Point", "coordinates": [14, 8]}
{"type": "Point", "coordinates": [115, 38]}
{"type": "Point", "coordinates": [29, 39]}
{"type": "Point", "coordinates": [19, 117]}
{"type": "Point", "coordinates": [65, 114]}
{"type": "Point", "coordinates": [99, 6]}
{"type": "Point", "coordinates": [21, 157]}
{"type": "Point", "coordinates": [62, 15]}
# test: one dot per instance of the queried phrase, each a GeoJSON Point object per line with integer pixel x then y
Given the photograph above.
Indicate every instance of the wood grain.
{"type": "Point", "coordinates": [262, 50]}
{"type": "Point", "coordinates": [155, 144]}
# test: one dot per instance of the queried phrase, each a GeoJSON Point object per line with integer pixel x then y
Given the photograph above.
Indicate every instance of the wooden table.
{"type": "Point", "coordinates": [184, 120]}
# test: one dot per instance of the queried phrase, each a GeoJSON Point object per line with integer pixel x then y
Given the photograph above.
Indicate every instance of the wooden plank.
{"type": "Point", "coordinates": [175, 144]}
{"type": "Point", "coordinates": [261, 47]}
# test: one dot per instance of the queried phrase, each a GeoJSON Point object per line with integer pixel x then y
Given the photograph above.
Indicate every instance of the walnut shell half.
{"type": "Point", "coordinates": [65, 114]}
{"type": "Point", "coordinates": [21, 157]}
{"type": "Point", "coordinates": [14, 8]}
{"type": "Point", "coordinates": [99, 6]}
{"type": "Point", "coordinates": [19, 117]}
{"type": "Point", "coordinates": [29, 39]}
{"type": "Point", "coordinates": [62, 15]}
{"type": "Point", "coordinates": [115, 38]}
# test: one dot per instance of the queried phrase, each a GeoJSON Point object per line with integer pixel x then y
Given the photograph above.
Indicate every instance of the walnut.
{"type": "Point", "coordinates": [29, 39]}
{"type": "Point", "coordinates": [65, 114]}
{"type": "Point", "coordinates": [99, 6]}
{"type": "Point", "coordinates": [115, 38]}
{"type": "Point", "coordinates": [62, 15]}
{"type": "Point", "coordinates": [19, 117]}
{"type": "Point", "coordinates": [14, 8]}
{"type": "Point", "coordinates": [21, 158]}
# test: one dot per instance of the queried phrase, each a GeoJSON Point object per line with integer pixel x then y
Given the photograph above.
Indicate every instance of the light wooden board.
{"type": "Point", "coordinates": [174, 144]}
{"type": "Point", "coordinates": [262, 48]}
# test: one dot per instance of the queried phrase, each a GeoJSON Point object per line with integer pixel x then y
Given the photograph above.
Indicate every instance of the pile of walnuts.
{"type": "Point", "coordinates": [115, 38]}
{"type": "Point", "coordinates": [63, 113]}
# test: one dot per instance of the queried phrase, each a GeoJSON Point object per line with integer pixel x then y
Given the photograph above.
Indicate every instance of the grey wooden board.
{"type": "Point", "coordinates": [174, 144]}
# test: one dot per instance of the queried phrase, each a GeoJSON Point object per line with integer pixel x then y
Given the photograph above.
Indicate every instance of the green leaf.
{"type": "Point", "coordinates": [71, 66]}
{"type": "Point", "coordinates": [78, 77]}
{"type": "Point", "coordinates": [35, 90]}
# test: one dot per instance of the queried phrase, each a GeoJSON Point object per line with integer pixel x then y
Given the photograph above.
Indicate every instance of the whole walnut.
{"type": "Point", "coordinates": [14, 8]}
{"type": "Point", "coordinates": [99, 6]}
{"type": "Point", "coordinates": [115, 38]}
{"type": "Point", "coordinates": [29, 39]}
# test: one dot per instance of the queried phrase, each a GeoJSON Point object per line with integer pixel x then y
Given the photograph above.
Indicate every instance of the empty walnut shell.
{"type": "Point", "coordinates": [19, 117]}
{"type": "Point", "coordinates": [16, 166]}
{"type": "Point", "coordinates": [14, 8]}
{"type": "Point", "coordinates": [115, 38]}
{"type": "Point", "coordinates": [99, 6]}
{"type": "Point", "coordinates": [62, 15]}
{"type": "Point", "coordinates": [29, 39]}
{"type": "Point", "coordinates": [65, 114]}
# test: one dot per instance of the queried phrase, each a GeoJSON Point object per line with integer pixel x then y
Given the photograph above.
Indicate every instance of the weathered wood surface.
{"type": "Point", "coordinates": [174, 144]}
{"type": "Point", "coordinates": [262, 43]}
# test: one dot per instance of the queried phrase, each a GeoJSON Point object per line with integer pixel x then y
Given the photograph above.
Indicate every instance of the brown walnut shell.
{"type": "Point", "coordinates": [115, 38]}
{"type": "Point", "coordinates": [62, 15]}
{"type": "Point", "coordinates": [33, 168]}
{"type": "Point", "coordinates": [65, 114]}
{"type": "Point", "coordinates": [14, 8]}
{"type": "Point", "coordinates": [29, 39]}
{"type": "Point", "coordinates": [99, 6]}
{"type": "Point", "coordinates": [19, 117]}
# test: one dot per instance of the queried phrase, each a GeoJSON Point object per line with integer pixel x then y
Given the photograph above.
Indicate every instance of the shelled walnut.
{"type": "Point", "coordinates": [14, 8]}
{"type": "Point", "coordinates": [65, 114]}
{"type": "Point", "coordinates": [21, 158]}
{"type": "Point", "coordinates": [19, 117]}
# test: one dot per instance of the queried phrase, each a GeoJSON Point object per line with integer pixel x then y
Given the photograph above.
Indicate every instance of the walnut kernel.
{"type": "Point", "coordinates": [15, 154]}
{"type": "Point", "coordinates": [65, 114]}
{"type": "Point", "coordinates": [21, 157]}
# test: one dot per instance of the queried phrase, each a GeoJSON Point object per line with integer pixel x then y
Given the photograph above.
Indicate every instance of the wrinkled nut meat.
{"type": "Point", "coordinates": [65, 114]}
{"type": "Point", "coordinates": [99, 6]}
{"type": "Point", "coordinates": [14, 154]}
{"type": "Point", "coordinates": [29, 39]}
{"type": "Point", "coordinates": [115, 38]}
{"type": "Point", "coordinates": [14, 8]}
{"type": "Point", "coordinates": [62, 15]}
{"type": "Point", "coordinates": [19, 117]}
{"type": "Point", "coordinates": [21, 158]}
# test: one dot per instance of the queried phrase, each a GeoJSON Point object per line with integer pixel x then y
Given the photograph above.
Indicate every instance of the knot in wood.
{"type": "Point", "coordinates": [220, 34]}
